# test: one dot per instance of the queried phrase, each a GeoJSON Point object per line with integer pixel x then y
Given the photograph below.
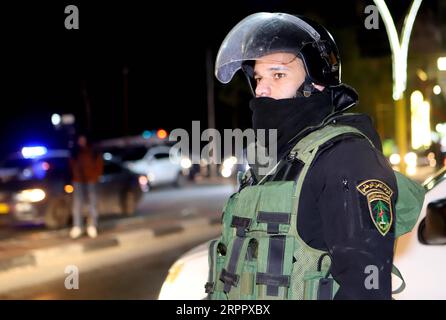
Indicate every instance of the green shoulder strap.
{"type": "Point", "coordinates": [307, 147]}
{"type": "Point", "coordinates": [397, 272]}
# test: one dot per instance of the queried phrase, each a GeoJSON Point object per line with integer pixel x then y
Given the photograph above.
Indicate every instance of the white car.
{"type": "Point", "coordinates": [158, 166]}
{"type": "Point", "coordinates": [420, 256]}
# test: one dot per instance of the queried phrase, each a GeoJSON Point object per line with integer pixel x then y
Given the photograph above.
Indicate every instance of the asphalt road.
{"type": "Point", "coordinates": [191, 201]}
{"type": "Point", "coordinates": [142, 276]}
{"type": "Point", "coordinates": [139, 278]}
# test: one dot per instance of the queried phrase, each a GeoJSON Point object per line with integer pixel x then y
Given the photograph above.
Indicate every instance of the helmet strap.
{"type": "Point", "coordinates": [306, 89]}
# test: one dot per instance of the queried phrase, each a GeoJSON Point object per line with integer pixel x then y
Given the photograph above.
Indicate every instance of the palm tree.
{"type": "Point", "coordinates": [381, 218]}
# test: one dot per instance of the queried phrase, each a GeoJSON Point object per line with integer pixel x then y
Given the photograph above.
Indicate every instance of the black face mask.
{"type": "Point", "coordinates": [289, 116]}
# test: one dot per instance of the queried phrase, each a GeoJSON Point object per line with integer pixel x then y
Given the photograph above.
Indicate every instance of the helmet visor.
{"type": "Point", "coordinates": [258, 35]}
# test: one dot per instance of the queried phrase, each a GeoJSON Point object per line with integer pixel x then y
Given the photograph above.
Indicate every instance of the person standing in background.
{"type": "Point", "coordinates": [86, 167]}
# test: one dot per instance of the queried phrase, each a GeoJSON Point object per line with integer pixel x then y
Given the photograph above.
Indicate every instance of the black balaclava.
{"type": "Point", "coordinates": [290, 116]}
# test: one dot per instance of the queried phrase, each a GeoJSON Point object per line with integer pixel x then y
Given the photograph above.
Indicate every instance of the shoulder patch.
{"type": "Point", "coordinates": [379, 203]}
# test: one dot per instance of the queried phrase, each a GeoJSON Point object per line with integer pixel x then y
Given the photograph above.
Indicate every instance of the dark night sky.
{"type": "Point", "coordinates": [163, 45]}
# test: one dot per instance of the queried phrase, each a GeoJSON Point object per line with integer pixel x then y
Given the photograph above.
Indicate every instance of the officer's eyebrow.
{"type": "Point", "coordinates": [275, 68]}
{"type": "Point", "coordinates": [278, 68]}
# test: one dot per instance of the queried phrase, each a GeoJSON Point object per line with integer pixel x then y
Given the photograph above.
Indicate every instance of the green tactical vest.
{"type": "Point", "coordinates": [260, 255]}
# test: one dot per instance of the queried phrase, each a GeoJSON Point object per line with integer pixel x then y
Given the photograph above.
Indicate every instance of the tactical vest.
{"type": "Point", "coordinates": [260, 254]}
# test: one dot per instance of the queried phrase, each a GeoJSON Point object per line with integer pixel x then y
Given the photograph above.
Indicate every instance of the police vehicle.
{"type": "Point", "coordinates": [36, 189]}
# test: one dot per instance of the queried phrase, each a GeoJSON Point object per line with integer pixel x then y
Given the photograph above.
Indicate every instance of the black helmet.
{"type": "Point", "coordinates": [264, 33]}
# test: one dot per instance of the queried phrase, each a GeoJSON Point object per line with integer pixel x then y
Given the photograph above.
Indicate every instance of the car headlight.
{"type": "Point", "coordinates": [226, 172]}
{"type": "Point", "coordinates": [30, 195]}
{"type": "Point", "coordinates": [151, 177]}
{"type": "Point", "coordinates": [230, 162]}
{"type": "Point", "coordinates": [186, 163]}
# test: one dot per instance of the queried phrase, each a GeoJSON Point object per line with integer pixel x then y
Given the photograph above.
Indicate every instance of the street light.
{"type": "Point", "coordinates": [441, 63]}
{"type": "Point", "coordinates": [436, 90]}
{"type": "Point", "coordinates": [420, 120]}
{"type": "Point", "coordinates": [422, 75]}
{"type": "Point", "coordinates": [399, 67]}
{"type": "Point", "coordinates": [55, 119]}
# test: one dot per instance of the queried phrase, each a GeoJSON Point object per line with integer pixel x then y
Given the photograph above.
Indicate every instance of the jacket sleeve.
{"type": "Point", "coordinates": [356, 205]}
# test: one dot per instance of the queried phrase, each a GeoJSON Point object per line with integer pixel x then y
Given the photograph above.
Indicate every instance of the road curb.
{"type": "Point", "coordinates": [36, 258]}
{"type": "Point", "coordinates": [19, 261]}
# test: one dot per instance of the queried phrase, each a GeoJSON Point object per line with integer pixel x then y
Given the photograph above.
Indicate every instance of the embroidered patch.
{"type": "Point", "coordinates": [380, 206]}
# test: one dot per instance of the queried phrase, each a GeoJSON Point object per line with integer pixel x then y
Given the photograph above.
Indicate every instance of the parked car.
{"type": "Point", "coordinates": [37, 190]}
{"type": "Point", "coordinates": [159, 167]}
{"type": "Point", "coordinates": [420, 255]}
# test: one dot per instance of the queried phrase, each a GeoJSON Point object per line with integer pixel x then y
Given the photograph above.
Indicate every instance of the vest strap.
{"type": "Point", "coordinates": [241, 224]}
{"type": "Point", "coordinates": [273, 220]}
{"type": "Point", "coordinates": [210, 285]}
{"type": "Point", "coordinates": [325, 287]}
{"type": "Point", "coordinates": [231, 274]}
{"type": "Point", "coordinates": [272, 279]}
{"type": "Point", "coordinates": [274, 276]}
{"type": "Point", "coordinates": [230, 279]}
{"type": "Point", "coordinates": [325, 291]}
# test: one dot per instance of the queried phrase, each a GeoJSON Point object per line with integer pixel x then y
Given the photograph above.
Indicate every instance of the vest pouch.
{"type": "Point", "coordinates": [274, 208]}
{"type": "Point", "coordinates": [214, 287]}
{"type": "Point", "coordinates": [274, 267]}
{"type": "Point", "coordinates": [238, 210]}
{"type": "Point", "coordinates": [228, 212]}
{"type": "Point", "coordinates": [319, 284]}
{"type": "Point", "coordinates": [248, 289]}
{"type": "Point", "coordinates": [235, 280]}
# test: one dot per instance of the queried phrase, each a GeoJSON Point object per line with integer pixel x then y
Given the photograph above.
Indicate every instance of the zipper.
{"type": "Point", "coordinates": [346, 196]}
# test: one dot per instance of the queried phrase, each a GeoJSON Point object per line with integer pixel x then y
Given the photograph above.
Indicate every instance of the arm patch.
{"type": "Point", "coordinates": [377, 196]}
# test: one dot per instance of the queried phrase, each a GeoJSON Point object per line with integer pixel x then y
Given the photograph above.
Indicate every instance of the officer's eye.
{"type": "Point", "coordinates": [279, 75]}
{"type": "Point", "coordinates": [257, 79]}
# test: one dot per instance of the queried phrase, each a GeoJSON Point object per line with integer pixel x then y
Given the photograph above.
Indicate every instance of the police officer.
{"type": "Point", "coordinates": [346, 192]}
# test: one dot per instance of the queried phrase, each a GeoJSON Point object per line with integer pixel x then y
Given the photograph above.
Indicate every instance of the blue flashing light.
{"type": "Point", "coordinates": [33, 152]}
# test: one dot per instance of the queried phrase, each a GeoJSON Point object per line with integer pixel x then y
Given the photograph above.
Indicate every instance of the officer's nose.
{"type": "Point", "coordinates": [263, 89]}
